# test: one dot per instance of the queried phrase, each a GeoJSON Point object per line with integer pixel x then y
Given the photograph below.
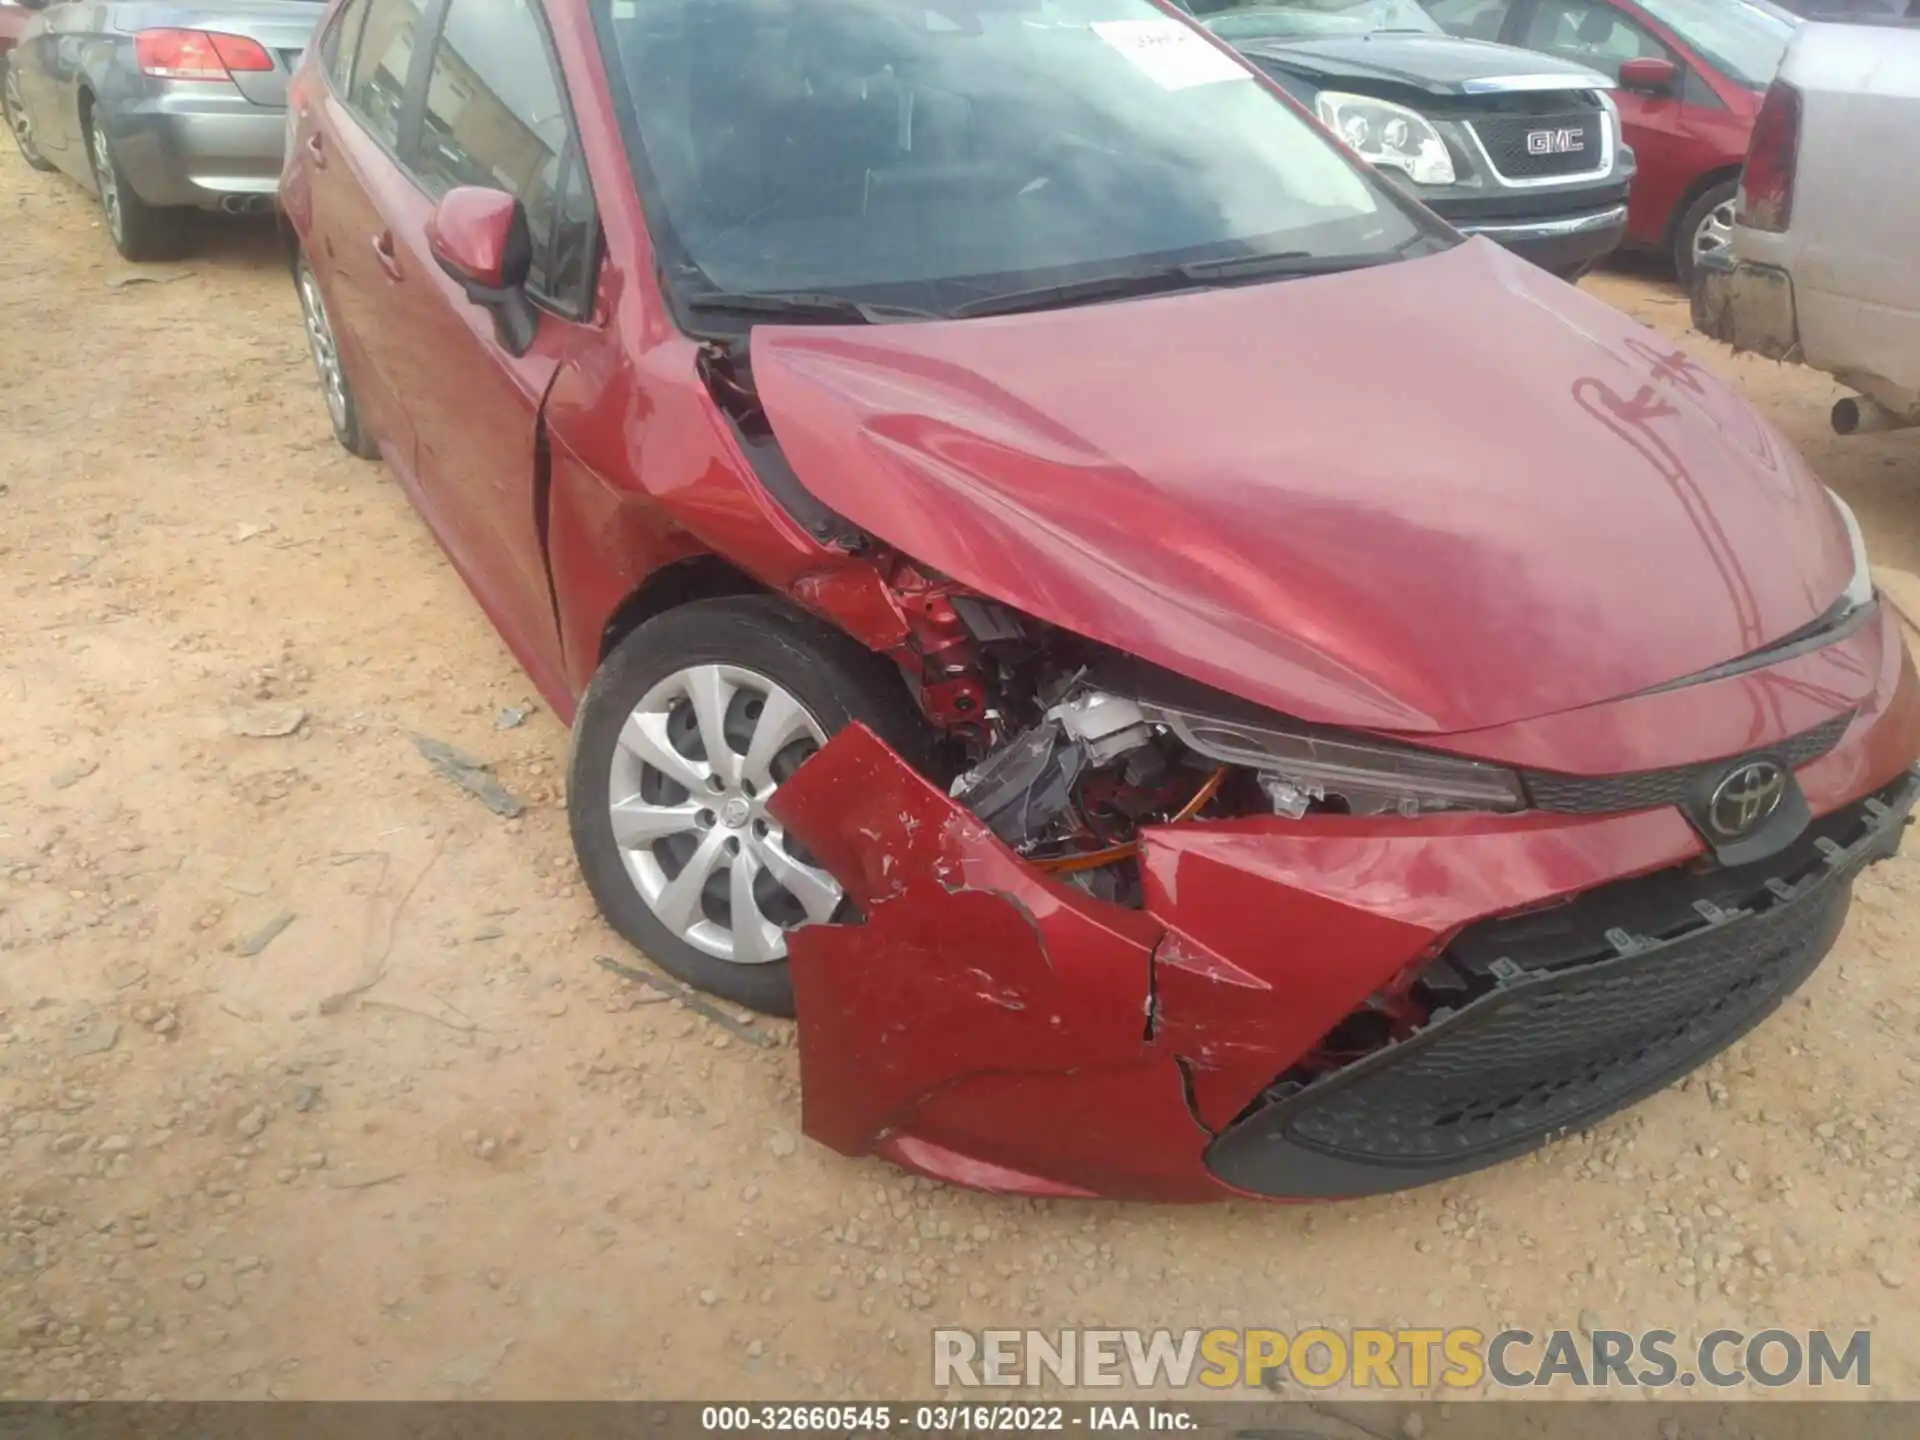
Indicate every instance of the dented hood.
{"type": "Point", "coordinates": [1431, 497]}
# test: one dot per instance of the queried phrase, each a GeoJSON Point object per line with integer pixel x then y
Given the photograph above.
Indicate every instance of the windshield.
{"type": "Point", "coordinates": [1309, 19]}
{"type": "Point", "coordinates": [927, 153]}
{"type": "Point", "coordinates": [1743, 41]}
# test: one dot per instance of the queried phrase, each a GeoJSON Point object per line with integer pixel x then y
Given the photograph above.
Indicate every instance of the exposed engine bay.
{"type": "Point", "coordinates": [1066, 749]}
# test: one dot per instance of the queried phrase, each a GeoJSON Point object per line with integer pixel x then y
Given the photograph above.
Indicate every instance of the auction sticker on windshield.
{"type": "Point", "coordinates": [1172, 55]}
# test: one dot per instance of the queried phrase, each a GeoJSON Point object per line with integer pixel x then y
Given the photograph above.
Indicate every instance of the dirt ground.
{"type": "Point", "coordinates": [500, 1171]}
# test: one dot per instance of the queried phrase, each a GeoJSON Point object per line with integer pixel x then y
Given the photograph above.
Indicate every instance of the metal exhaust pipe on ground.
{"type": "Point", "coordinates": [245, 204]}
{"type": "Point", "coordinates": [1858, 415]}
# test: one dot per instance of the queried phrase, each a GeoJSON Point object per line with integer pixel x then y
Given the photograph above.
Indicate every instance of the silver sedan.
{"type": "Point", "coordinates": [158, 109]}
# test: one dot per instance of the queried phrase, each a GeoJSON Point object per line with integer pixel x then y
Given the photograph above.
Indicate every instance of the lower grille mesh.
{"type": "Point", "coordinates": [1549, 1053]}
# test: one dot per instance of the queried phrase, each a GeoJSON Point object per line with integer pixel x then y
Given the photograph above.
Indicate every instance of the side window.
{"type": "Point", "coordinates": [576, 239]}
{"type": "Point", "coordinates": [1694, 90]}
{"type": "Point", "coordinates": [1590, 33]}
{"type": "Point", "coordinates": [378, 79]}
{"type": "Point", "coordinates": [341, 43]}
{"type": "Point", "coordinates": [1470, 19]}
{"type": "Point", "coordinates": [496, 116]}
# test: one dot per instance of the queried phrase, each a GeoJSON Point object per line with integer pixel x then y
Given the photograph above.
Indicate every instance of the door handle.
{"type": "Point", "coordinates": [384, 253]}
{"type": "Point", "coordinates": [317, 151]}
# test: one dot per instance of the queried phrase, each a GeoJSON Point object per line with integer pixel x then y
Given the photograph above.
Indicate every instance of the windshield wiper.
{"type": "Point", "coordinates": [1170, 279]}
{"type": "Point", "coordinates": [1075, 292]}
{"type": "Point", "coordinates": [805, 305]}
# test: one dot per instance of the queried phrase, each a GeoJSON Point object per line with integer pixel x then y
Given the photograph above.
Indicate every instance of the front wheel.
{"type": "Point", "coordinates": [689, 728]}
{"type": "Point", "coordinates": [1706, 229]}
{"type": "Point", "coordinates": [14, 107]}
{"type": "Point", "coordinates": [139, 231]}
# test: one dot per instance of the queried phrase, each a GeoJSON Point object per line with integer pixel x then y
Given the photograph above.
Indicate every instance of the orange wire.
{"type": "Point", "coordinates": [1094, 859]}
{"type": "Point", "coordinates": [1206, 792]}
{"type": "Point", "coordinates": [1087, 860]}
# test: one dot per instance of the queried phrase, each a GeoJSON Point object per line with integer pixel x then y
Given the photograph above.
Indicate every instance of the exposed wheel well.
{"type": "Point", "coordinates": [1693, 192]}
{"type": "Point", "coordinates": [698, 577]}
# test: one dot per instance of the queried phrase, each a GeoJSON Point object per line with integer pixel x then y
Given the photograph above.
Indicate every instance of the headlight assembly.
{"type": "Point", "coordinates": [1383, 133]}
{"type": "Point", "coordinates": [1371, 778]}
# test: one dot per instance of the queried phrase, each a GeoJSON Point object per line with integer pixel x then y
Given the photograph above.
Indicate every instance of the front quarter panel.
{"type": "Point", "coordinates": [990, 1025]}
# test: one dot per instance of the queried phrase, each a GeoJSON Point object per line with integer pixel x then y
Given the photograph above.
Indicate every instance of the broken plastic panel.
{"type": "Point", "coordinates": [1027, 784]}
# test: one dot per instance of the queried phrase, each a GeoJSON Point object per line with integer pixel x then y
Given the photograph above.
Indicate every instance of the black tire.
{"type": "Point", "coordinates": [343, 411]}
{"type": "Point", "coordinates": [139, 231]}
{"type": "Point", "coordinates": [1684, 233]}
{"type": "Point", "coordinates": [835, 679]}
{"type": "Point", "coordinates": [12, 110]}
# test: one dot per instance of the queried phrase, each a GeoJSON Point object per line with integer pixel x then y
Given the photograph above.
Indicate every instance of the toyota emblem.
{"type": "Point", "coordinates": [1745, 798]}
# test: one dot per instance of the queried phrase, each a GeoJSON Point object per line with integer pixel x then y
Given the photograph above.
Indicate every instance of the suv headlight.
{"type": "Point", "coordinates": [1373, 778]}
{"type": "Point", "coordinates": [1383, 133]}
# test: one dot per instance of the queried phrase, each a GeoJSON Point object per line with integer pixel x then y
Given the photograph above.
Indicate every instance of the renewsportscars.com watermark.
{"type": "Point", "coordinates": [1377, 1359]}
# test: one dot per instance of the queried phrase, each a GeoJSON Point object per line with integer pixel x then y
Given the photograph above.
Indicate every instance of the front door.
{"type": "Point", "coordinates": [495, 116]}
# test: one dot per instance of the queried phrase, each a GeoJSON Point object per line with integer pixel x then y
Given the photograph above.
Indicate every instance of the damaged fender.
{"type": "Point", "coordinates": [996, 1014]}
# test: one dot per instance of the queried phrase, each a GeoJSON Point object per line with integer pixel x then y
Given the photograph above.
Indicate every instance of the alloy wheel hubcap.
{"type": "Point", "coordinates": [1715, 232]}
{"type": "Point", "coordinates": [104, 177]}
{"type": "Point", "coordinates": [326, 356]}
{"type": "Point", "coordinates": [17, 114]}
{"type": "Point", "coordinates": [696, 763]}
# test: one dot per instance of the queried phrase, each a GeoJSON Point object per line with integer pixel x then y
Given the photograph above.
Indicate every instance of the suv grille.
{"type": "Point", "coordinates": [1612, 996]}
{"type": "Point", "coordinates": [1544, 147]}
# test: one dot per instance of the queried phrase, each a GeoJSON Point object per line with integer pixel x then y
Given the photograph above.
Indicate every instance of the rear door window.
{"type": "Point", "coordinates": [497, 117]}
{"type": "Point", "coordinates": [378, 83]}
{"type": "Point", "coordinates": [341, 42]}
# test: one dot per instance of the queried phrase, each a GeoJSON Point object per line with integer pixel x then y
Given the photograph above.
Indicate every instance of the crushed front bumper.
{"type": "Point", "coordinates": [1747, 306]}
{"type": "Point", "coordinates": [990, 1025]}
{"type": "Point", "coordinates": [1613, 1014]}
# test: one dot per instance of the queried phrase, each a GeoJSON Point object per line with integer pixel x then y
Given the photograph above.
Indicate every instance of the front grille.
{"type": "Point", "coordinates": [1647, 789]}
{"type": "Point", "coordinates": [1548, 1053]}
{"type": "Point", "coordinates": [1635, 984]}
{"type": "Point", "coordinates": [1544, 147]}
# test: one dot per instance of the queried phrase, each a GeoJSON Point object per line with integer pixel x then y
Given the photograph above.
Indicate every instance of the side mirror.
{"type": "Point", "coordinates": [480, 238]}
{"type": "Point", "coordinates": [1649, 75]}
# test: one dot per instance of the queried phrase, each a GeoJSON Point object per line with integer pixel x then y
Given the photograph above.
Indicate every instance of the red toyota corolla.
{"type": "Point", "coordinates": [1190, 679]}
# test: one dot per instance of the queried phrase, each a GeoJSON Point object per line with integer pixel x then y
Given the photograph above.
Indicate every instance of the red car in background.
{"type": "Point", "coordinates": [13, 19]}
{"type": "Point", "coordinates": [1691, 75]}
{"type": "Point", "coordinates": [1185, 676]}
